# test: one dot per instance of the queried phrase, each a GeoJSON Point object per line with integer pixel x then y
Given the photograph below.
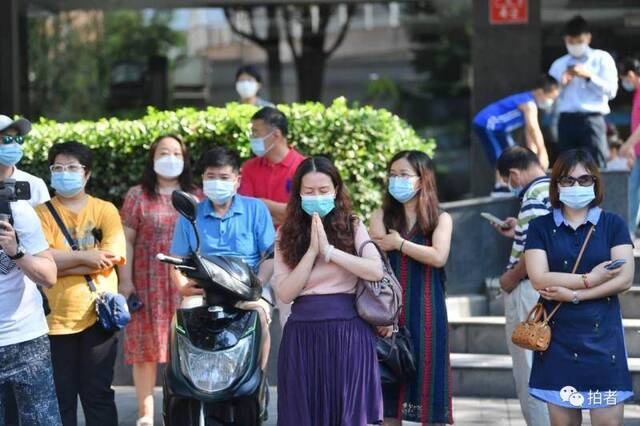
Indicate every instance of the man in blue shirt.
{"type": "Point", "coordinates": [228, 225]}
{"type": "Point", "coordinates": [495, 122]}
{"type": "Point", "coordinates": [589, 80]}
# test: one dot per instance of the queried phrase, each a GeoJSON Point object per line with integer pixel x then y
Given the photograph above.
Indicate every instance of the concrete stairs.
{"type": "Point", "coordinates": [480, 360]}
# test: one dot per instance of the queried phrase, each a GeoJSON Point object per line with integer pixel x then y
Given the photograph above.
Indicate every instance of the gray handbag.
{"type": "Point", "coordinates": [379, 302]}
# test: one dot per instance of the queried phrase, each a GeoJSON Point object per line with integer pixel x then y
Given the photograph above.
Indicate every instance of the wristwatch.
{"type": "Point", "coordinates": [20, 252]}
{"type": "Point", "coordinates": [575, 299]}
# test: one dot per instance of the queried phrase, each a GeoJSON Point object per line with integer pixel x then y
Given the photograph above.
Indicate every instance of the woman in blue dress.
{"type": "Point", "coordinates": [585, 366]}
{"type": "Point", "coordinates": [416, 234]}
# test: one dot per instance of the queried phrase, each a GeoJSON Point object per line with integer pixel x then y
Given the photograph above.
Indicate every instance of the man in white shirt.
{"type": "Point", "coordinates": [589, 80]}
{"type": "Point", "coordinates": [12, 133]}
{"type": "Point", "coordinates": [25, 358]}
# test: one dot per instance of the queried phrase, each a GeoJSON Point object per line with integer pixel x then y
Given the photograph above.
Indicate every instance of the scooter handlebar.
{"type": "Point", "coordinates": [170, 259]}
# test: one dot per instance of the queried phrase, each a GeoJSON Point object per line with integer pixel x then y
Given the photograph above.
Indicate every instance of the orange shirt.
{"type": "Point", "coordinates": [72, 307]}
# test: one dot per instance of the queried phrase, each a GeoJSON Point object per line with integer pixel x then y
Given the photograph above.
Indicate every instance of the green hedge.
{"type": "Point", "coordinates": [359, 139]}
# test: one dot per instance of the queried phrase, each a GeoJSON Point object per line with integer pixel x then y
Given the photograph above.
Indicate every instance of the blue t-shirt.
{"type": "Point", "coordinates": [504, 115]}
{"type": "Point", "coordinates": [246, 231]}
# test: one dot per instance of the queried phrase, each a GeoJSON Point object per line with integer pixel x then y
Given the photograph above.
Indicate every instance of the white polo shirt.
{"type": "Point", "coordinates": [21, 314]}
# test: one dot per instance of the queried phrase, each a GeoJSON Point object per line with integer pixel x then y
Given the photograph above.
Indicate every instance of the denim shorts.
{"type": "Point", "coordinates": [25, 370]}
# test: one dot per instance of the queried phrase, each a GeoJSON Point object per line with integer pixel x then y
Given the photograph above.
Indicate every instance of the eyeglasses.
{"type": "Point", "coordinates": [73, 168]}
{"type": "Point", "coordinates": [403, 176]}
{"type": "Point", "coordinates": [584, 180]}
{"type": "Point", "coordinates": [8, 140]}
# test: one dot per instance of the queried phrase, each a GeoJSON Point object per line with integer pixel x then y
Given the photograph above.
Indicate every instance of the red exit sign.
{"type": "Point", "coordinates": [508, 12]}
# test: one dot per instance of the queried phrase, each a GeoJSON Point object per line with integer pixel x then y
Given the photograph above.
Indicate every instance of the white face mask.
{"type": "Point", "coordinates": [168, 166]}
{"type": "Point", "coordinates": [546, 104]}
{"type": "Point", "coordinates": [577, 50]}
{"type": "Point", "coordinates": [628, 85]}
{"type": "Point", "coordinates": [246, 88]}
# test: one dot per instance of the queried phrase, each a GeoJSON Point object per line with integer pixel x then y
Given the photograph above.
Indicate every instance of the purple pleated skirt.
{"type": "Point", "coordinates": [328, 371]}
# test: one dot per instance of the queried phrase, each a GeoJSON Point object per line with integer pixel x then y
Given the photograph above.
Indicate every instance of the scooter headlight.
{"type": "Point", "coordinates": [213, 371]}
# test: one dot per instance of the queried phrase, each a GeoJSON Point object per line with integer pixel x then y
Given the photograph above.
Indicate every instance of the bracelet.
{"type": "Point", "coordinates": [327, 253]}
{"type": "Point", "coordinates": [402, 245]}
{"type": "Point", "coordinates": [585, 281]}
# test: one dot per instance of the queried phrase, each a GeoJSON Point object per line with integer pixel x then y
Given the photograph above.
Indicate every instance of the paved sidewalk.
{"type": "Point", "coordinates": [466, 411]}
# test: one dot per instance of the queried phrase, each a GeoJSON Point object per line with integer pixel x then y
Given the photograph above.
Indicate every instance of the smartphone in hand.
{"type": "Point", "coordinates": [494, 220]}
{"type": "Point", "coordinates": [615, 264]}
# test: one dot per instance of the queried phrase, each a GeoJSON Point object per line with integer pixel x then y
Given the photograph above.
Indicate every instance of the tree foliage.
{"type": "Point", "coordinates": [70, 54]}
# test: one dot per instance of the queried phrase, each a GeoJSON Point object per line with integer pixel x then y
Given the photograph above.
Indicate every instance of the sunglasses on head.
{"type": "Point", "coordinates": [584, 180]}
{"type": "Point", "coordinates": [7, 140]}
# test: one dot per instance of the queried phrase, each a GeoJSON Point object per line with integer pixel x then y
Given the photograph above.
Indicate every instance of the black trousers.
{"type": "Point", "coordinates": [83, 365]}
{"type": "Point", "coordinates": [586, 131]}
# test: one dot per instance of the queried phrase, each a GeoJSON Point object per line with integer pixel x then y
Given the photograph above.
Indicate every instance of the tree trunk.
{"type": "Point", "coordinates": [311, 63]}
{"type": "Point", "coordinates": [310, 69]}
{"type": "Point", "coordinates": [274, 70]}
{"type": "Point", "coordinates": [272, 49]}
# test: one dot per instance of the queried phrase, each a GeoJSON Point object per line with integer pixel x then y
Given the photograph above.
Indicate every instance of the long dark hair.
{"type": "Point", "coordinates": [149, 176]}
{"type": "Point", "coordinates": [295, 233]}
{"type": "Point", "coordinates": [427, 208]}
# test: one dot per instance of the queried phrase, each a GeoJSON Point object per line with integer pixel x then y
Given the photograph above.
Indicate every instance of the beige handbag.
{"type": "Point", "coordinates": [534, 333]}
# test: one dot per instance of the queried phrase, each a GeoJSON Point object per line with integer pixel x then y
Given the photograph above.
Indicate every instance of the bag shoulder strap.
{"type": "Point", "coordinates": [72, 243]}
{"type": "Point", "coordinates": [383, 255]}
{"type": "Point", "coordinates": [63, 228]}
{"type": "Point", "coordinates": [575, 265]}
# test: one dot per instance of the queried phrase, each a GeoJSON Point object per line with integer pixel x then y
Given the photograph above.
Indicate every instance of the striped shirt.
{"type": "Point", "coordinates": [535, 202]}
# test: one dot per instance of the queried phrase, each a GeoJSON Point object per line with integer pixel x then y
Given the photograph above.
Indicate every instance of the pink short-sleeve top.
{"type": "Point", "coordinates": [327, 278]}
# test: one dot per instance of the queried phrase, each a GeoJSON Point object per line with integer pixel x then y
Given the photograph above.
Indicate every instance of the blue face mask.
{"type": "Point", "coordinates": [628, 85]}
{"type": "Point", "coordinates": [515, 190]}
{"type": "Point", "coordinates": [321, 204]}
{"type": "Point", "coordinates": [67, 184]}
{"type": "Point", "coordinates": [10, 154]}
{"type": "Point", "coordinates": [577, 197]}
{"type": "Point", "coordinates": [258, 145]}
{"type": "Point", "coordinates": [402, 189]}
{"type": "Point", "coordinates": [219, 191]}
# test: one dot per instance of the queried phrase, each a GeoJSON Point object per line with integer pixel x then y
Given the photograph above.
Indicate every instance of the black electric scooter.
{"type": "Point", "coordinates": [213, 376]}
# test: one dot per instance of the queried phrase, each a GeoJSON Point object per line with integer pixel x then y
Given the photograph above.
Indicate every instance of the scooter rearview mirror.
{"type": "Point", "coordinates": [187, 205]}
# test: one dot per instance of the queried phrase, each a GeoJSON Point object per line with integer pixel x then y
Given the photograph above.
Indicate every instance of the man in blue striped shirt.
{"type": "Point", "coordinates": [521, 169]}
{"type": "Point", "coordinates": [495, 122]}
{"type": "Point", "coordinates": [589, 80]}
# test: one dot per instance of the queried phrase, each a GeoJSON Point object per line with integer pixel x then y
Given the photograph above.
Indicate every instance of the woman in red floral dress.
{"type": "Point", "coordinates": [149, 219]}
